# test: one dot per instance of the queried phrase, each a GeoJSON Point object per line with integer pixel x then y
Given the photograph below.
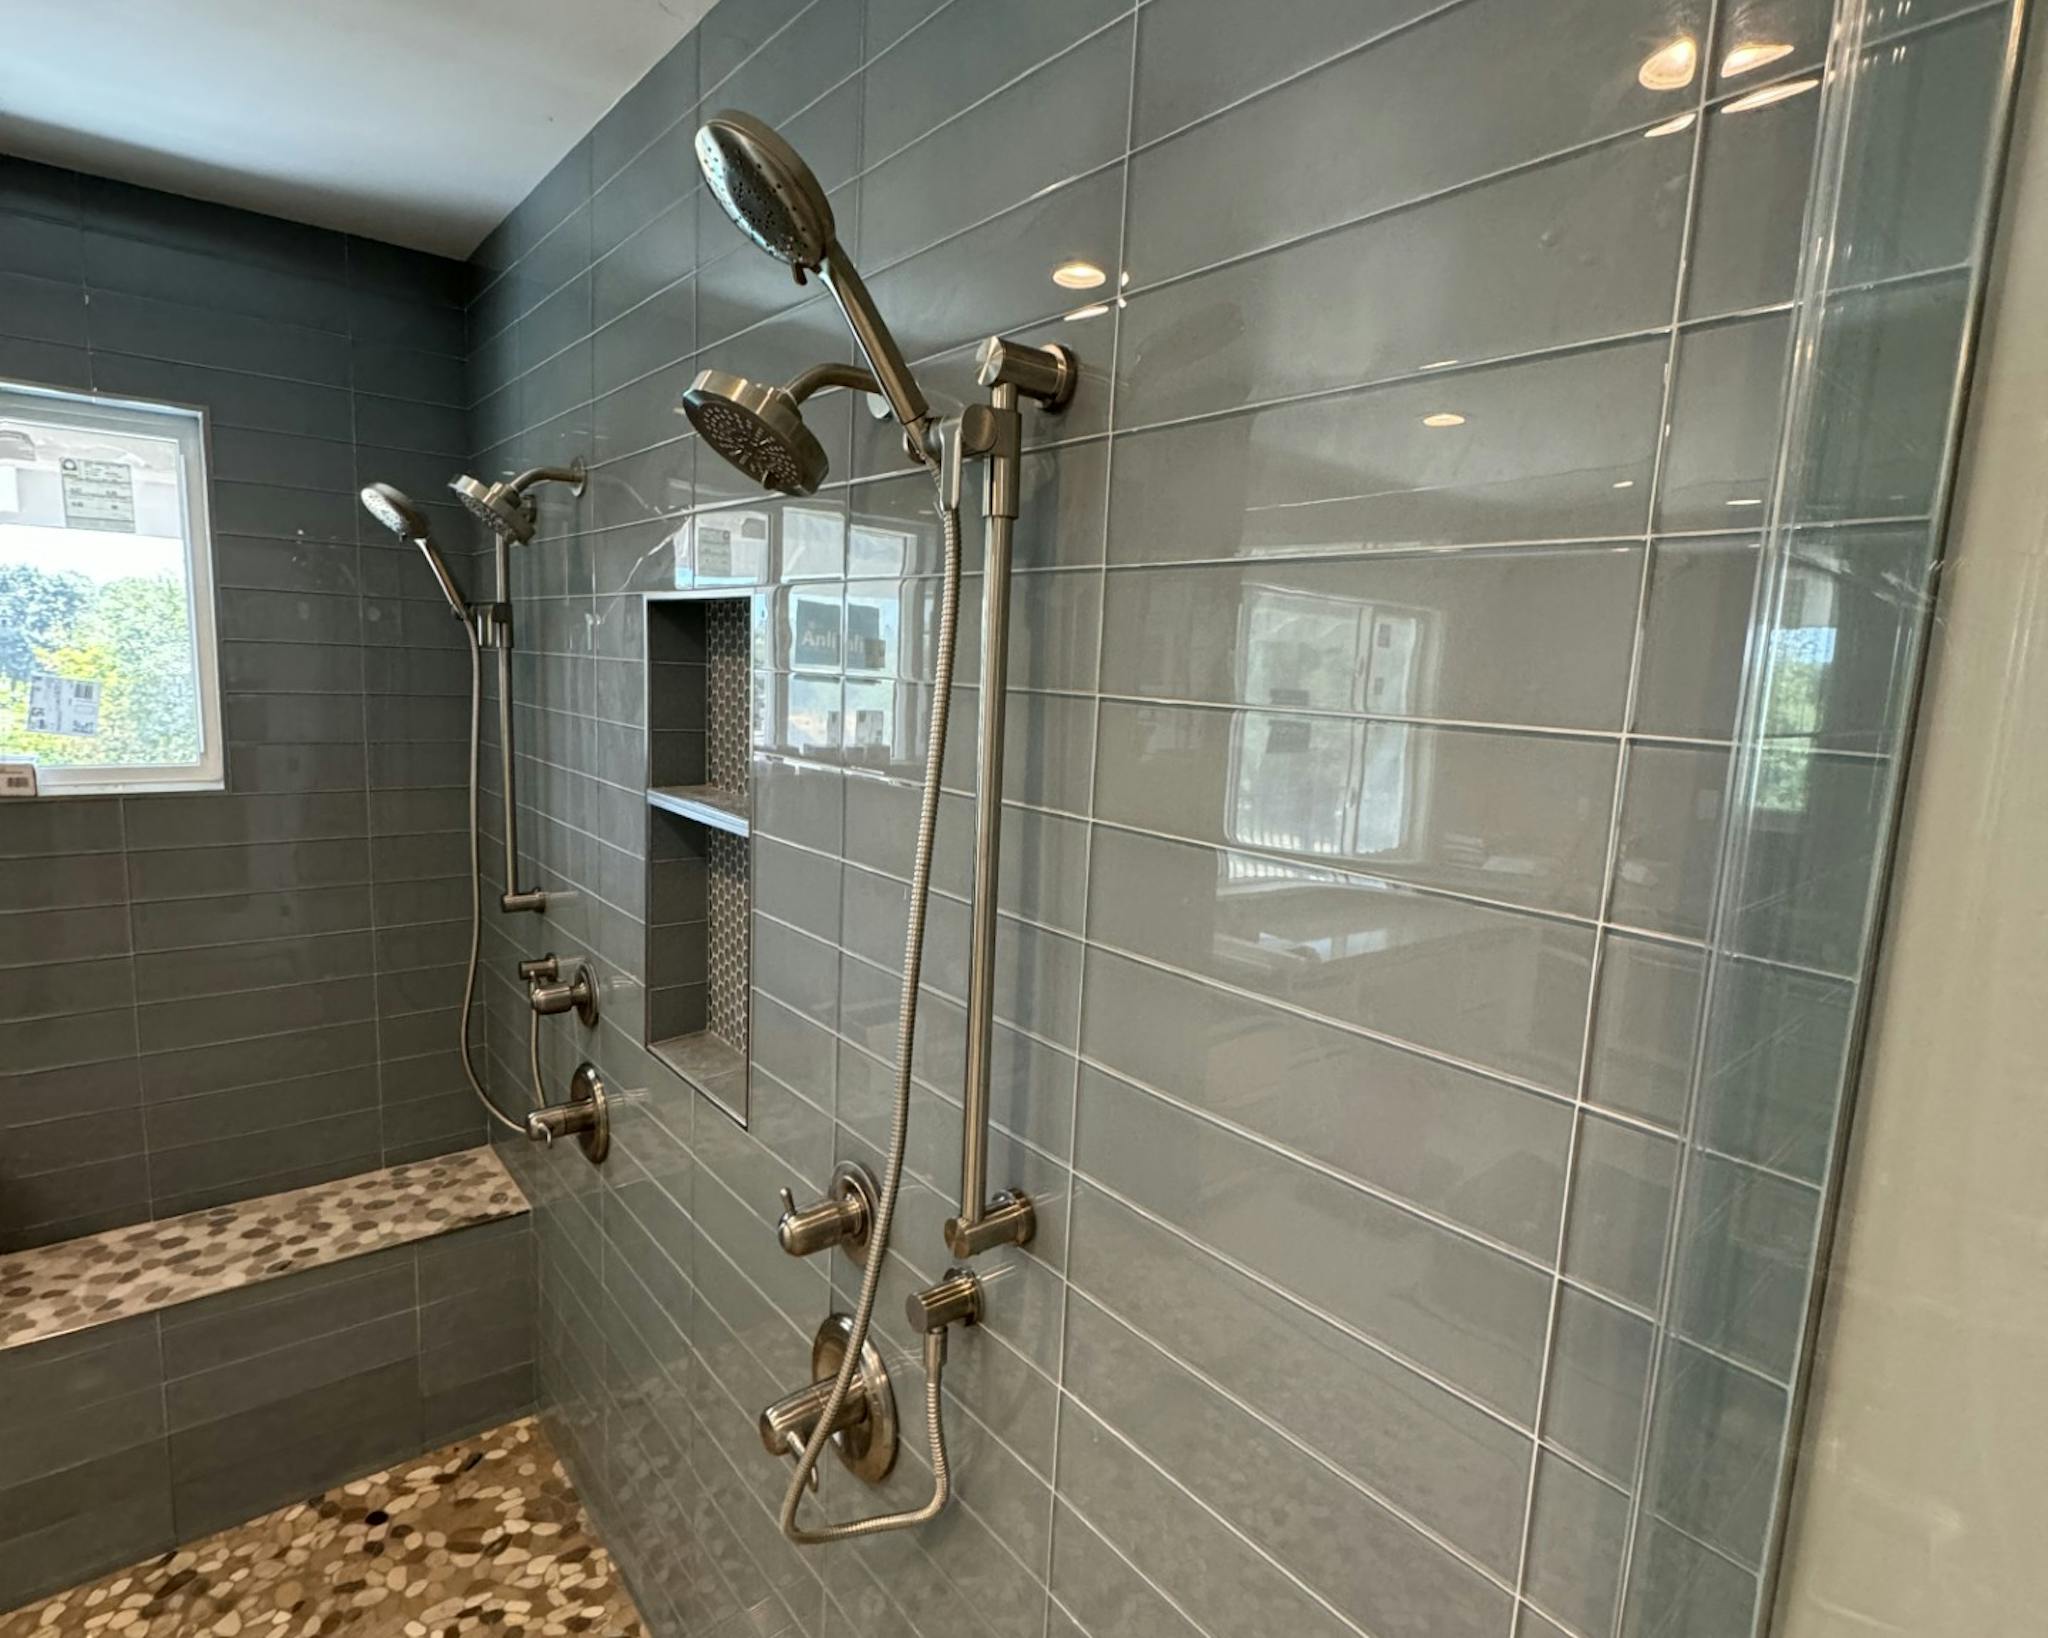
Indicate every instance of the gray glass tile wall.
{"type": "Point", "coordinates": [211, 996]}
{"type": "Point", "coordinates": [1382, 609]}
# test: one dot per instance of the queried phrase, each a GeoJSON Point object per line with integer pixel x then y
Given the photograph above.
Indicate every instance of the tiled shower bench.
{"type": "Point", "coordinates": [165, 1380]}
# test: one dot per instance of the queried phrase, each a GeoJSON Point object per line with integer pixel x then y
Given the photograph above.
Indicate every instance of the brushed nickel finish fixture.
{"type": "Point", "coordinates": [489, 625]}
{"type": "Point", "coordinates": [958, 1299]}
{"type": "Point", "coordinates": [760, 429]}
{"type": "Point", "coordinates": [586, 1116]}
{"type": "Point", "coordinates": [507, 507]}
{"type": "Point", "coordinates": [843, 1218]}
{"type": "Point", "coordinates": [775, 199]}
{"type": "Point", "coordinates": [764, 186]}
{"type": "Point", "coordinates": [393, 508]}
{"type": "Point", "coordinates": [1046, 375]}
{"type": "Point", "coordinates": [507, 510]}
{"type": "Point", "coordinates": [863, 1424]}
{"type": "Point", "coordinates": [548, 993]}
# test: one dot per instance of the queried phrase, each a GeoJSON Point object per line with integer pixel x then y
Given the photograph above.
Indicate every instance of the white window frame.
{"type": "Point", "coordinates": [187, 424]}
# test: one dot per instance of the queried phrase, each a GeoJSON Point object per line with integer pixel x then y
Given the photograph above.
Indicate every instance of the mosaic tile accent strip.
{"type": "Point", "coordinates": [487, 1535]}
{"type": "Point", "coordinates": [728, 690]}
{"type": "Point", "coordinates": [726, 999]}
{"type": "Point", "coordinates": [57, 1289]}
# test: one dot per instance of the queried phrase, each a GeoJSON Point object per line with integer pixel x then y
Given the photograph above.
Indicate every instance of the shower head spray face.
{"type": "Point", "coordinates": [766, 188]}
{"type": "Point", "coordinates": [759, 429]}
{"type": "Point", "coordinates": [497, 506]}
{"type": "Point", "coordinates": [394, 509]}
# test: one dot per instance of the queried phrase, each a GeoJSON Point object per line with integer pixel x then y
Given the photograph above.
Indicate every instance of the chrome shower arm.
{"type": "Point", "coordinates": [571, 475]}
{"type": "Point", "coordinates": [820, 376]}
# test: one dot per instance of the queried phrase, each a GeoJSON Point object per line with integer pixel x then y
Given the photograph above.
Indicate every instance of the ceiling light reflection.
{"type": "Point", "coordinates": [1671, 126]}
{"type": "Point", "coordinates": [1745, 59]}
{"type": "Point", "coordinates": [1671, 67]}
{"type": "Point", "coordinates": [1094, 309]}
{"type": "Point", "coordinates": [1770, 94]}
{"type": "Point", "coordinates": [1444, 418]}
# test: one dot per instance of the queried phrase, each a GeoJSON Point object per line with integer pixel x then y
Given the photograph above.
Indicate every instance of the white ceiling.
{"type": "Point", "coordinates": [418, 121]}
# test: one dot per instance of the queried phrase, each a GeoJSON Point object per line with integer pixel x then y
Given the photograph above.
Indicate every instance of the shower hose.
{"type": "Point", "coordinates": [899, 1126]}
{"type": "Point", "coordinates": [476, 901]}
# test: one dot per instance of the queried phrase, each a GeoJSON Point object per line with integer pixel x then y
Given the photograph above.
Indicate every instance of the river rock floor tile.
{"type": "Point", "coordinates": [483, 1536]}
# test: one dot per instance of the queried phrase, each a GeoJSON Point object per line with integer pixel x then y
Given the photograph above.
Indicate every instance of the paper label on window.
{"type": "Point", "coordinates": [98, 495]}
{"type": "Point", "coordinates": [17, 779]}
{"type": "Point", "coordinates": [63, 705]}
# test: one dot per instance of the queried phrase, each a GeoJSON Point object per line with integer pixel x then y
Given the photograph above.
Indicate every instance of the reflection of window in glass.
{"type": "Point", "coordinates": [813, 542]}
{"type": "Point", "coordinates": [813, 631]}
{"type": "Point", "coordinates": [1799, 656]}
{"type": "Point", "coordinates": [872, 622]}
{"type": "Point", "coordinates": [1329, 785]}
{"type": "Point", "coordinates": [879, 550]}
{"type": "Point", "coordinates": [108, 674]}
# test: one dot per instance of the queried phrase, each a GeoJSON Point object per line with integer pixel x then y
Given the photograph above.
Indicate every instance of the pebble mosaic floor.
{"type": "Point", "coordinates": [484, 1536]}
{"type": "Point", "coordinates": [57, 1289]}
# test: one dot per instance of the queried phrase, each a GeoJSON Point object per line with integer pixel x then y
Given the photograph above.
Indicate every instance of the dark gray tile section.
{"type": "Point", "coordinates": [215, 996]}
{"type": "Point", "coordinates": [120, 1440]}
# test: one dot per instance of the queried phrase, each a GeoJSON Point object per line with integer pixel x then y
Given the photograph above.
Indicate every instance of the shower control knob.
{"type": "Point", "coordinates": [548, 994]}
{"type": "Point", "coordinates": [842, 1218]}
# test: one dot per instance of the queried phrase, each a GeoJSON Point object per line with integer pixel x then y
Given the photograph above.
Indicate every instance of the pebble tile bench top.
{"type": "Point", "coordinates": [54, 1290]}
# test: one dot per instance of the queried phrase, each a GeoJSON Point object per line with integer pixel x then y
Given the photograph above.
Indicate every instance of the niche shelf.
{"type": "Point", "coordinates": [699, 840]}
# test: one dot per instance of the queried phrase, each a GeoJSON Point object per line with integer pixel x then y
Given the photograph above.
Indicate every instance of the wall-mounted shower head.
{"type": "Point", "coordinates": [776, 200]}
{"type": "Point", "coordinates": [760, 429]}
{"type": "Point", "coordinates": [757, 428]}
{"type": "Point", "coordinates": [506, 507]}
{"type": "Point", "coordinates": [394, 509]}
{"type": "Point", "coordinates": [496, 506]}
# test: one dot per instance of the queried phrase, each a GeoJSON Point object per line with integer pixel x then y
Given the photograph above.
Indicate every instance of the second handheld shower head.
{"type": "Point", "coordinates": [393, 508]}
{"type": "Point", "coordinates": [775, 199]}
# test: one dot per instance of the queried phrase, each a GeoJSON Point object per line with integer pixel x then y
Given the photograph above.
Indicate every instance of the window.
{"type": "Point", "coordinates": [108, 675]}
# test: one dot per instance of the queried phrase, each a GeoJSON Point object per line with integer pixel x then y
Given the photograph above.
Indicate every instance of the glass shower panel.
{"type": "Point", "coordinates": [1905, 141]}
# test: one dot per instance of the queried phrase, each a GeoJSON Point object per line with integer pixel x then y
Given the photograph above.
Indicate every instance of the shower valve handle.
{"type": "Point", "coordinates": [842, 1218]}
{"type": "Point", "coordinates": [548, 995]}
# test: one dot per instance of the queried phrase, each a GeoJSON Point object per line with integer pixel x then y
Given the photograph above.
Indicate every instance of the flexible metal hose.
{"type": "Point", "coordinates": [476, 865]}
{"type": "Point", "coordinates": [899, 1126]}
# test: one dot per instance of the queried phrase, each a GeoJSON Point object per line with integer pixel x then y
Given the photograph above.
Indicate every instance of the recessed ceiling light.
{"type": "Point", "coordinates": [1078, 276]}
{"type": "Point", "coordinates": [1671, 126]}
{"type": "Point", "coordinates": [1444, 418]}
{"type": "Point", "coordinates": [1770, 94]}
{"type": "Point", "coordinates": [1626, 483]}
{"type": "Point", "coordinates": [1670, 67]}
{"type": "Point", "coordinates": [1750, 502]}
{"type": "Point", "coordinates": [1745, 58]}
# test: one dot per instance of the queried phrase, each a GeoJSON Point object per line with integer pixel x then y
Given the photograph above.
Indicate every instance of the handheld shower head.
{"type": "Point", "coordinates": [771, 195]}
{"type": "Point", "coordinates": [774, 198]}
{"type": "Point", "coordinates": [758, 429]}
{"type": "Point", "coordinates": [394, 509]}
{"type": "Point", "coordinates": [497, 506]}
